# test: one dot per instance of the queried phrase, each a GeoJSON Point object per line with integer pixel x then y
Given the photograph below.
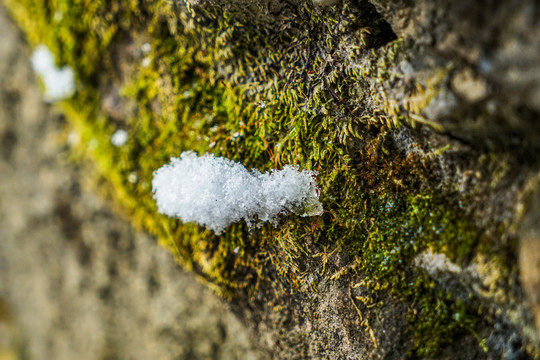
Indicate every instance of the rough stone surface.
{"type": "Point", "coordinates": [499, 42]}
{"type": "Point", "coordinates": [77, 281]}
{"type": "Point", "coordinates": [448, 110]}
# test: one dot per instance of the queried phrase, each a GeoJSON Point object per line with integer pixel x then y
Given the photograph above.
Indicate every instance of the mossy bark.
{"type": "Point", "coordinates": [421, 119]}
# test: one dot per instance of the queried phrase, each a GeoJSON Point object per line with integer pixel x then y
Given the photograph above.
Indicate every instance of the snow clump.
{"type": "Point", "coordinates": [119, 138]}
{"type": "Point", "coordinates": [59, 82]}
{"type": "Point", "coordinates": [216, 192]}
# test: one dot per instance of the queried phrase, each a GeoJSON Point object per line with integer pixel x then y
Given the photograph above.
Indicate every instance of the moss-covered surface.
{"type": "Point", "coordinates": [315, 88]}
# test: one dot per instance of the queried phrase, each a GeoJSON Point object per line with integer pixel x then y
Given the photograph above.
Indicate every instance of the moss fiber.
{"type": "Point", "coordinates": [265, 93]}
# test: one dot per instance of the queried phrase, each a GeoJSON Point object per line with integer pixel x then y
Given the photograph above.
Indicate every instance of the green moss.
{"type": "Point", "coordinates": [202, 89]}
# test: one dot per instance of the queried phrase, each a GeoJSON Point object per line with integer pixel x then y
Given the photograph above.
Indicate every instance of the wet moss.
{"type": "Point", "coordinates": [312, 89]}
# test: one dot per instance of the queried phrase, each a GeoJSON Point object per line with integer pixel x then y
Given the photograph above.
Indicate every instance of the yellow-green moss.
{"type": "Point", "coordinates": [266, 94]}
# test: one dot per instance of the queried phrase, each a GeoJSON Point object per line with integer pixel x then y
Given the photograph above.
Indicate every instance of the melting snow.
{"type": "Point", "coordinates": [59, 82]}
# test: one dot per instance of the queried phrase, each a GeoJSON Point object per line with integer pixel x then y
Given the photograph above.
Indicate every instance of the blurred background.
{"type": "Point", "coordinates": [76, 281]}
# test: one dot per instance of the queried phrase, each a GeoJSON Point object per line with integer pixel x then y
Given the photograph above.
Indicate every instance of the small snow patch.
{"type": "Point", "coordinates": [59, 82]}
{"type": "Point", "coordinates": [261, 104]}
{"type": "Point", "coordinates": [133, 178]}
{"type": "Point", "coordinates": [146, 62]}
{"type": "Point", "coordinates": [146, 48]}
{"type": "Point", "coordinates": [435, 263]}
{"type": "Point", "coordinates": [73, 138]}
{"type": "Point", "coordinates": [216, 192]}
{"type": "Point", "coordinates": [119, 138]}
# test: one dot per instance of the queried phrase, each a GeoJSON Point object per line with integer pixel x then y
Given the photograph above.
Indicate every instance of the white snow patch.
{"type": "Point", "coordinates": [146, 48]}
{"type": "Point", "coordinates": [261, 104]}
{"type": "Point", "coordinates": [146, 62]}
{"type": "Point", "coordinates": [59, 82]}
{"type": "Point", "coordinates": [216, 192]}
{"type": "Point", "coordinates": [435, 263]}
{"type": "Point", "coordinates": [133, 178]}
{"type": "Point", "coordinates": [119, 138]}
{"type": "Point", "coordinates": [73, 138]}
